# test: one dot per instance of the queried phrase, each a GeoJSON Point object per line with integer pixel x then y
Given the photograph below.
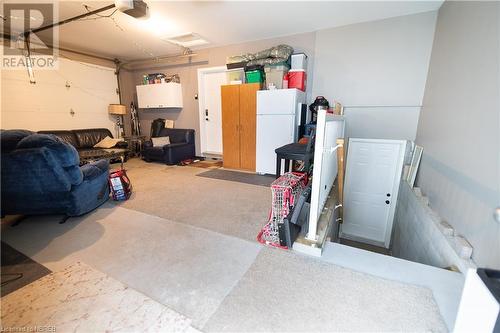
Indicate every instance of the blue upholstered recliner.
{"type": "Point", "coordinates": [41, 175]}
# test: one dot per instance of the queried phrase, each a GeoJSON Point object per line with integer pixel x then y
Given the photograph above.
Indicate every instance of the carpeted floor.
{"type": "Point", "coordinates": [186, 268]}
{"type": "Point", "coordinates": [207, 164]}
{"type": "Point", "coordinates": [222, 283]}
{"type": "Point", "coordinates": [287, 292]}
{"type": "Point", "coordinates": [18, 270]}
{"type": "Point", "coordinates": [174, 193]}
{"type": "Point", "coordinates": [161, 243]}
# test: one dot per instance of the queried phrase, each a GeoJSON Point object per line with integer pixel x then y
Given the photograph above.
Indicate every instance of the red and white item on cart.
{"type": "Point", "coordinates": [297, 79]}
{"type": "Point", "coordinates": [119, 185]}
{"type": "Point", "coordinates": [285, 192]}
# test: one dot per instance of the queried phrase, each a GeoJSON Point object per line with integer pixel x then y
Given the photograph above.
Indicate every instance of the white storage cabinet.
{"type": "Point", "coordinates": [160, 95]}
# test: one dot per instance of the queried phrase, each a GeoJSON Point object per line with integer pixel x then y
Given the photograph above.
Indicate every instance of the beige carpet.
{"type": "Point", "coordinates": [287, 292]}
{"type": "Point", "coordinates": [174, 193]}
{"type": "Point", "coordinates": [186, 268]}
{"type": "Point", "coordinates": [221, 283]}
{"type": "Point", "coordinates": [224, 283]}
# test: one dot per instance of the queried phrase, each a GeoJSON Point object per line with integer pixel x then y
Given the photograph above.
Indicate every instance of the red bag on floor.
{"type": "Point", "coordinates": [119, 185]}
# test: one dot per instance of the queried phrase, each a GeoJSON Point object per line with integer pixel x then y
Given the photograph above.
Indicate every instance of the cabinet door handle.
{"type": "Point", "coordinates": [387, 202]}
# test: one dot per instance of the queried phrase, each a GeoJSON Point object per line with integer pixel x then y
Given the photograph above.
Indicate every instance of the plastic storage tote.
{"type": "Point", "coordinates": [256, 76]}
{"type": "Point", "coordinates": [297, 79]}
{"type": "Point", "coordinates": [299, 61]}
{"type": "Point", "coordinates": [274, 75]}
{"type": "Point", "coordinates": [234, 76]}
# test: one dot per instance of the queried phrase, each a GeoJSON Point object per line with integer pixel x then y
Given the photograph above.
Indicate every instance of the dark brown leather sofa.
{"type": "Point", "coordinates": [85, 139]}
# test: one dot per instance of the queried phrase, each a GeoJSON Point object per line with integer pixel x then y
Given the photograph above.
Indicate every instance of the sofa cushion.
{"type": "Point", "coordinates": [160, 141]}
{"type": "Point", "coordinates": [65, 136]}
{"type": "Point", "coordinates": [65, 153]}
{"type": "Point", "coordinates": [10, 139]}
{"type": "Point", "coordinates": [176, 145]}
{"type": "Point", "coordinates": [87, 138]}
{"type": "Point", "coordinates": [95, 169]}
{"type": "Point", "coordinates": [38, 140]}
{"type": "Point", "coordinates": [107, 142]}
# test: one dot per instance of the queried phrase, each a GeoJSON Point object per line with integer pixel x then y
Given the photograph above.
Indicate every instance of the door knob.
{"type": "Point", "coordinates": [387, 202]}
{"type": "Point", "coordinates": [388, 194]}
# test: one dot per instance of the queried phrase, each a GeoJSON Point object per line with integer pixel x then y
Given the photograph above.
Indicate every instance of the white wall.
{"type": "Point", "coordinates": [418, 234]}
{"type": "Point", "coordinates": [46, 105]}
{"type": "Point", "coordinates": [460, 124]}
{"type": "Point", "coordinates": [377, 70]}
{"type": "Point", "coordinates": [188, 116]}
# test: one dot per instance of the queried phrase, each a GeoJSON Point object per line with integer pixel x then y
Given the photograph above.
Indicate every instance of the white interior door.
{"type": "Point", "coordinates": [211, 117]}
{"type": "Point", "coordinates": [373, 174]}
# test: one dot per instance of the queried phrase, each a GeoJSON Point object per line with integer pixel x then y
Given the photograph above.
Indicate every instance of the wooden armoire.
{"type": "Point", "coordinates": [239, 118]}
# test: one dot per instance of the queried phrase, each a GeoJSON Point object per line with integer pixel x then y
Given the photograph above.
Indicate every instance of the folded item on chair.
{"type": "Point", "coordinates": [107, 142]}
{"type": "Point", "coordinates": [160, 141]}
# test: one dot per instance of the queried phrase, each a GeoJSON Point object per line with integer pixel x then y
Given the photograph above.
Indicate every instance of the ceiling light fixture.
{"type": "Point", "coordinates": [157, 25]}
{"type": "Point", "coordinates": [186, 40]}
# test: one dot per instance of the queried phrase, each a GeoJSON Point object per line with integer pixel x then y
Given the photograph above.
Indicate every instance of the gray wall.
{"type": "Point", "coordinates": [187, 117]}
{"type": "Point", "coordinates": [366, 65]}
{"type": "Point", "coordinates": [418, 236]}
{"type": "Point", "coordinates": [377, 70]}
{"type": "Point", "coordinates": [459, 125]}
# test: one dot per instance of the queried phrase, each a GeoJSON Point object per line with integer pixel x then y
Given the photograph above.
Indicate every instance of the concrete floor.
{"type": "Point", "coordinates": [364, 246]}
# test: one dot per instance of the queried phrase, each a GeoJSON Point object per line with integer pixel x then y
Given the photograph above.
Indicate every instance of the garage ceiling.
{"type": "Point", "coordinates": [219, 23]}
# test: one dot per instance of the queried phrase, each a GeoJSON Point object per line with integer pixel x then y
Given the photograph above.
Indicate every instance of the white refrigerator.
{"type": "Point", "coordinates": [278, 118]}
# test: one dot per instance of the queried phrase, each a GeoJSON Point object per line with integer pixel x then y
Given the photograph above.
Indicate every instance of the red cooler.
{"type": "Point", "coordinates": [297, 79]}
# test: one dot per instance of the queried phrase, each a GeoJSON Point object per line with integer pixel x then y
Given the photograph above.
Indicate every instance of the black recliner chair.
{"type": "Point", "coordinates": [181, 147]}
